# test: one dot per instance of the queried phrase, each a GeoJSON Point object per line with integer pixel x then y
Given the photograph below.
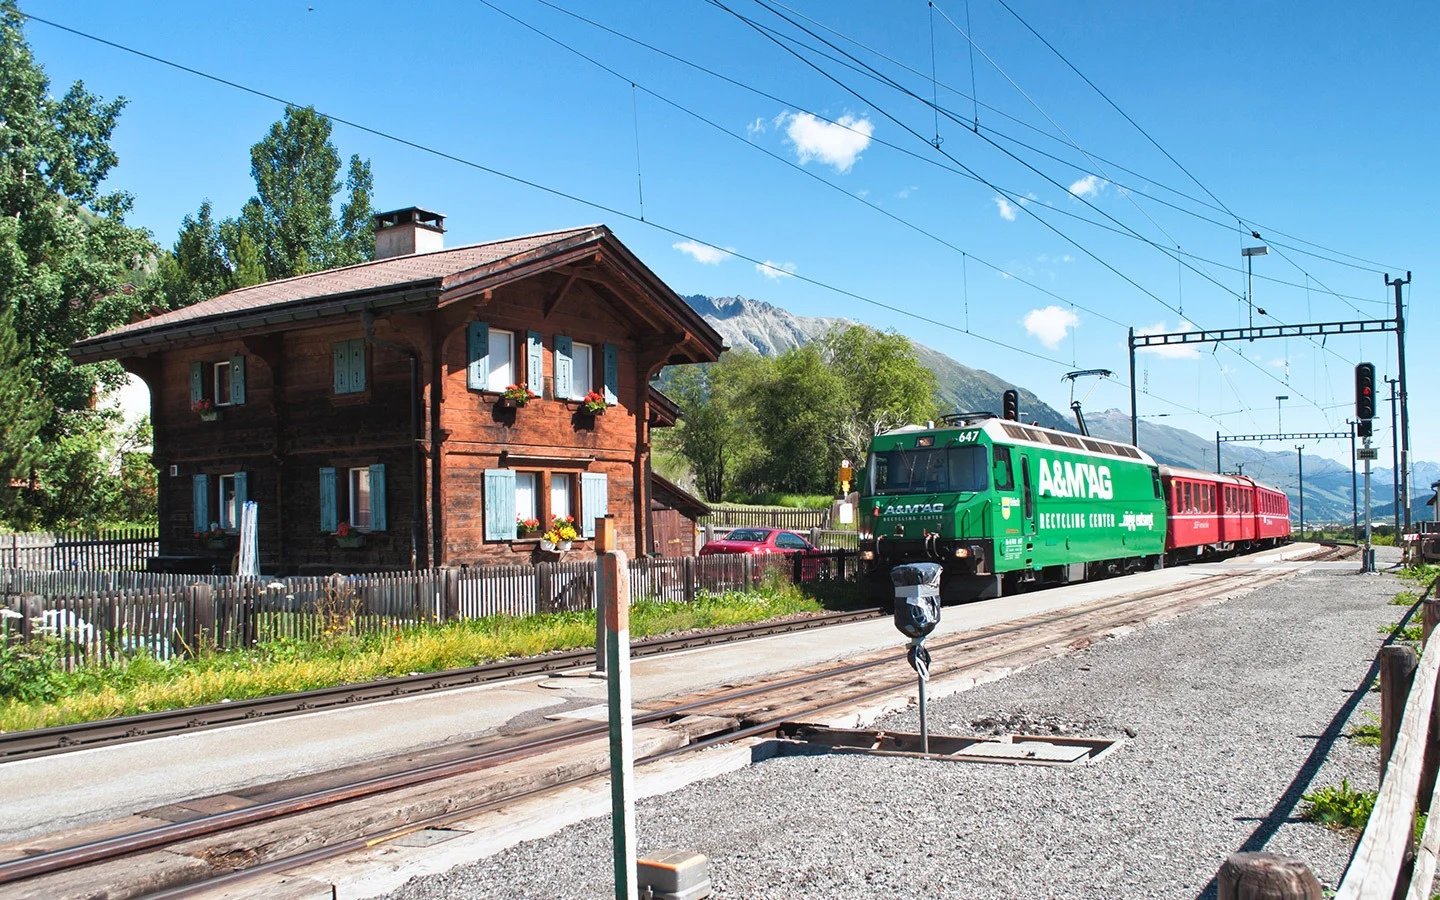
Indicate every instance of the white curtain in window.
{"type": "Point", "coordinates": [582, 380]}
{"type": "Point", "coordinates": [360, 498]}
{"type": "Point", "coordinates": [502, 363]}
{"type": "Point", "coordinates": [525, 507]}
{"type": "Point", "coordinates": [560, 497]}
{"type": "Point", "coordinates": [229, 516]}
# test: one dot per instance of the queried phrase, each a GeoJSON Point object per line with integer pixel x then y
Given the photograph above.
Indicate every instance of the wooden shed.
{"type": "Point", "coordinates": [675, 518]}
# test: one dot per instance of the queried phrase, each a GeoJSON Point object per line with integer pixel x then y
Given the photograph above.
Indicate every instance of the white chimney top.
{"type": "Point", "coordinates": [406, 231]}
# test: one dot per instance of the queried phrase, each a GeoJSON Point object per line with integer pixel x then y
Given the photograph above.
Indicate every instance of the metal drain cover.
{"type": "Point", "coordinates": [1017, 749]}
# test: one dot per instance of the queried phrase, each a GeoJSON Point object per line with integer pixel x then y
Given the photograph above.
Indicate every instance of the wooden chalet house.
{"type": "Point", "coordinates": [363, 408]}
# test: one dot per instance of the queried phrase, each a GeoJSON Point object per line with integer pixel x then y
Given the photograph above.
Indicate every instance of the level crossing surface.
{"type": "Point", "coordinates": [73, 789]}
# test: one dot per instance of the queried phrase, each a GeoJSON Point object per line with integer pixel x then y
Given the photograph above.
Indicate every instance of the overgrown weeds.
{"type": "Point", "coordinates": [1367, 734]}
{"type": "Point", "coordinates": [1339, 806]}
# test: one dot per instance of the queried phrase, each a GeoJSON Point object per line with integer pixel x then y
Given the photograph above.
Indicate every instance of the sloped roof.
{"type": "Point", "coordinates": [669, 494]}
{"type": "Point", "coordinates": [396, 281]}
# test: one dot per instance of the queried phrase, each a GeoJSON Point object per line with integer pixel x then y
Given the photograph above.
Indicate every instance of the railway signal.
{"type": "Point", "coordinates": [1011, 401]}
{"type": "Point", "coordinates": [1365, 391]}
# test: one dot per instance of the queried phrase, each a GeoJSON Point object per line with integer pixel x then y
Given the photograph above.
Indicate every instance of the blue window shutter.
{"type": "Point", "coordinates": [328, 519]}
{"type": "Point", "coordinates": [534, 363]}
{"type": "Point", "coordinates": [197, 382]}
{"type": "Point", "coordinates": [357, 365]}
{"type": "Point", "coordinates": [342, 367]}
{"type": "Point", "coordinates": [202, 502]}
{"type": "Point", "coordinates": [612, 374]}
{"type": "Point", "coordinates": [564, 366]}
{"type": "Point", "coordinates": [594, 501]}
{"type": "Point", "coordinates": [242, 493]}
{"type": "Point", "coordinates": [477, 357]}
{"type": "Point", "coordinates": [499, 504]}
{"type": "Point", "coordinates": [237, 379]}
{"type": "Point", "coordinates": [377, 498]}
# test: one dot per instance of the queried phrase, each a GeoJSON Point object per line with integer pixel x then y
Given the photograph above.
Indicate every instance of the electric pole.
{"type": "Point", "coordinates": [1394, 457]}
{"type": "Point", "coordinates": [1404, 398]}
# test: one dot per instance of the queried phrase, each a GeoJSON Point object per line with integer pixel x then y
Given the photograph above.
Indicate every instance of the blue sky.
{"type": "Point", "coordinates": [1311, 122]}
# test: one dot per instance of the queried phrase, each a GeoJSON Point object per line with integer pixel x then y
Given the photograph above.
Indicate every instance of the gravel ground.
{"type": "Point", "coordinates": [1235, 711]}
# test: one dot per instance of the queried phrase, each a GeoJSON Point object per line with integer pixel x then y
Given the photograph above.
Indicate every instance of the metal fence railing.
{"type": "Point", "coordinates": [98, 616]}
{"type": "Point", "coordinates": [722, 515]}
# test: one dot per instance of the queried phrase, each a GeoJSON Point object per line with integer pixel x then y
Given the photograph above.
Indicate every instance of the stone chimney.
{"type": "Point", "coordinates": [406, 231]}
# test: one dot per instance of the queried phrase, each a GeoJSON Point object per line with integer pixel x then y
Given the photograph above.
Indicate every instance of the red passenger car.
{"type": "Point", "coordinates": [1212, 514]}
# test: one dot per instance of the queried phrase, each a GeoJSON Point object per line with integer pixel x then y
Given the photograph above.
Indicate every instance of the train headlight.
{"type": "Point", "coordinates": [867, 555]}
{"type": "Point", "coordinates": [962, 552]}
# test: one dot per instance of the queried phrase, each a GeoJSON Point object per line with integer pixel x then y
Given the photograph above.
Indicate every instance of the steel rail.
{"type": "Point", "coordinates": [115, 847]}
{"type": "Point", "coordinates": [83, 735]}
{"type": "Point", "coordinates": [754, 730]}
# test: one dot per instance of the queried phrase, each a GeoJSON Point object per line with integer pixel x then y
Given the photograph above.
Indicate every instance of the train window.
{"type": "Point", "coordinates": [1155, 480]}
{"type": "Point", "coordinates": [928, 471]}
{"type": "Point", "coordinates": [1004, 475]}
{"type": "Point", "coordinates": [1025, 483]}
{"type": "Point", "coordinates": [1189, 504]}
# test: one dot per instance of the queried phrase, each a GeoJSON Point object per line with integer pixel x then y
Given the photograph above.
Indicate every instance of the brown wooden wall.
{"type": "Point", "coordinates": [292, 424]}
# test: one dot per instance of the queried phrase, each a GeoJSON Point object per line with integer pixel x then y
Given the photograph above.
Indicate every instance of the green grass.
{"type": "Point", "coordinates": [1411, 633]}
{"type": "Point", "coordinates": [1405, 598]}
{"type": "Point", "coordinates": [1367, 734]}
{"type": "Point", "coordinates": [38, 694]}
{"type": "Point", "coordinates": [1339, 806]}
{"type": "Point", "coordinates": [1423, 576]}
{"type": "Point", "coordinates": [789, 501]}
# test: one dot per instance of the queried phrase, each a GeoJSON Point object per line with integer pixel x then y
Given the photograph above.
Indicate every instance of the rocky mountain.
{"type": "Point", "coordinates": [748, 324]}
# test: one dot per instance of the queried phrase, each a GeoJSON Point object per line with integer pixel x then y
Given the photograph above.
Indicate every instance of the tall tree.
{"type": "Point", "coordinates": [291, 217]}
{"type": "Point", "coordinates": [24, 412]}
{"type": "Point", "coordinates": [885, 386]}
{"type": "Point", "coordinates": [714, 434]}
{"type": "Point", "coordinates": [66, 254]}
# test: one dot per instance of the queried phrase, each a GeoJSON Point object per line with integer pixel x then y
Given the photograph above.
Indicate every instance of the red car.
{"type": "Point", "coordinates": [767, 542]}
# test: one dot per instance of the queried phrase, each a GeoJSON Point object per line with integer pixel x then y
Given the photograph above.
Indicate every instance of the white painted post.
{"type": "Point", "coordinates": [613, 585]}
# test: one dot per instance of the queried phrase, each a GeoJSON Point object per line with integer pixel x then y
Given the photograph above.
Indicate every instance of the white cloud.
{"type": "Point", "coordinates": [1051, 324]}
{"type": "Point", "coordinates": [1029, 195]}
{"type": "Point", "coordinates": [837, 144]}
{"type": "Point", "coordinates": [776, 270]}
{"type": "Point", "coordinates": [905, 192]}
{"type": "Point", "coordinates": [702, 253]}
{"type": "Point", "coordinates": [1007, 212]}
{"type": "Point", "coordinates": [756, 127]}
{"type": "Point", "coordinates": [1172, 351]}
{"type": "Point", "coordinates": [863, 193]}
{"type": "Point", "coordinates": [1087, 186]}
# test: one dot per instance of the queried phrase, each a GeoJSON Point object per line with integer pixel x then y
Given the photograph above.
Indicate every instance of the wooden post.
{"type": "Point", "coordinates": [200, 621]}
{"type": "Point", "coordinates": [32, 606]}
{"type": "Point", "coordinates": [687, 573]}
{"type": "Point", "coordinates": [1429, 618]}
{"type": "Point", "coordinates": [1397, 670]}
{"type": "Point", "coordinates": [613, 587]}
{"type": "Point", "coordinates": [709, 533]}
{"type": "Point", "coordinates": [450, 605]}
{"type": "Point", "coordinates": [1266, 876]}
{"type": "Point", "coordinates": [604, 543]}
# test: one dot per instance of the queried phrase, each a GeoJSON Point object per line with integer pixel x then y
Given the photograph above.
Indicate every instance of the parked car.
{"type": "Point", "coordinates": [768, 542]}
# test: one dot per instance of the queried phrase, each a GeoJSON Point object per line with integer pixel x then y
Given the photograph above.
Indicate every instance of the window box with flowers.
{"type": "Point", "coordinates": [526, 529]}
{"type": "Point", "coordinates": [347, 537]}
{"type": "Point", "coordinates": [214, 537]}
{"type": "Point", "coordinates": [594, 404]}
{"type": "Point", "coordinates": [205, 408]}
{"type": "Point", "coordinates": [515, 396]}
{"type": "Point", "coordinates": [561, 534]}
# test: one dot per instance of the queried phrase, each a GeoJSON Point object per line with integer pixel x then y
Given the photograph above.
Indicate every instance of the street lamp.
{"type": "Point", "coordinates": [1250, 253]}
{"type": "Point", "coordinates": [1278, 399]}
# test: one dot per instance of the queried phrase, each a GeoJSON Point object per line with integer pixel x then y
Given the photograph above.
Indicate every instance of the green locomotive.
{"type": "Point", "coordinates": [1002, 505]}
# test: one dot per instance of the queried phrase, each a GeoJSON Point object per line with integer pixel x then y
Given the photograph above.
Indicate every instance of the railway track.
{"type": "Point", "coordinates": [216, 851]}
{"type": "Point", "coordinates": [84, 735]}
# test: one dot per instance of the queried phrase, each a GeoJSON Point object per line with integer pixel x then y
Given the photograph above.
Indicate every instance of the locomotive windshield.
{"type": "Point", "coordinates": [928, 471]}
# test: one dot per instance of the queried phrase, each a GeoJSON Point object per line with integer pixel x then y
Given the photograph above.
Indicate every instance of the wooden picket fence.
{"type": "Point", "coordinates": [725, 515]}
{"type": "Point", "coordinates": [118, 548]}
{"type": "Point", "coordinates": [103, 616]}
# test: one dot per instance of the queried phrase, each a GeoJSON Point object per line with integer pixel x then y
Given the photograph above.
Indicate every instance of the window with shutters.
{"type": "Point", "coordinates": [513, 496]}
{"type": "Point", "coordinates": [562, 505]}
{"type": "Point", "coordinates": [217, 383]}
{"type": "Point", "coordinates": [354, 495]}
{"type": "Point", "coordinates": [218, 500]}
{"type": "Point", "coordinates": [350, 366]}
{"type": "Point", "coordinates": [527, 500]}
